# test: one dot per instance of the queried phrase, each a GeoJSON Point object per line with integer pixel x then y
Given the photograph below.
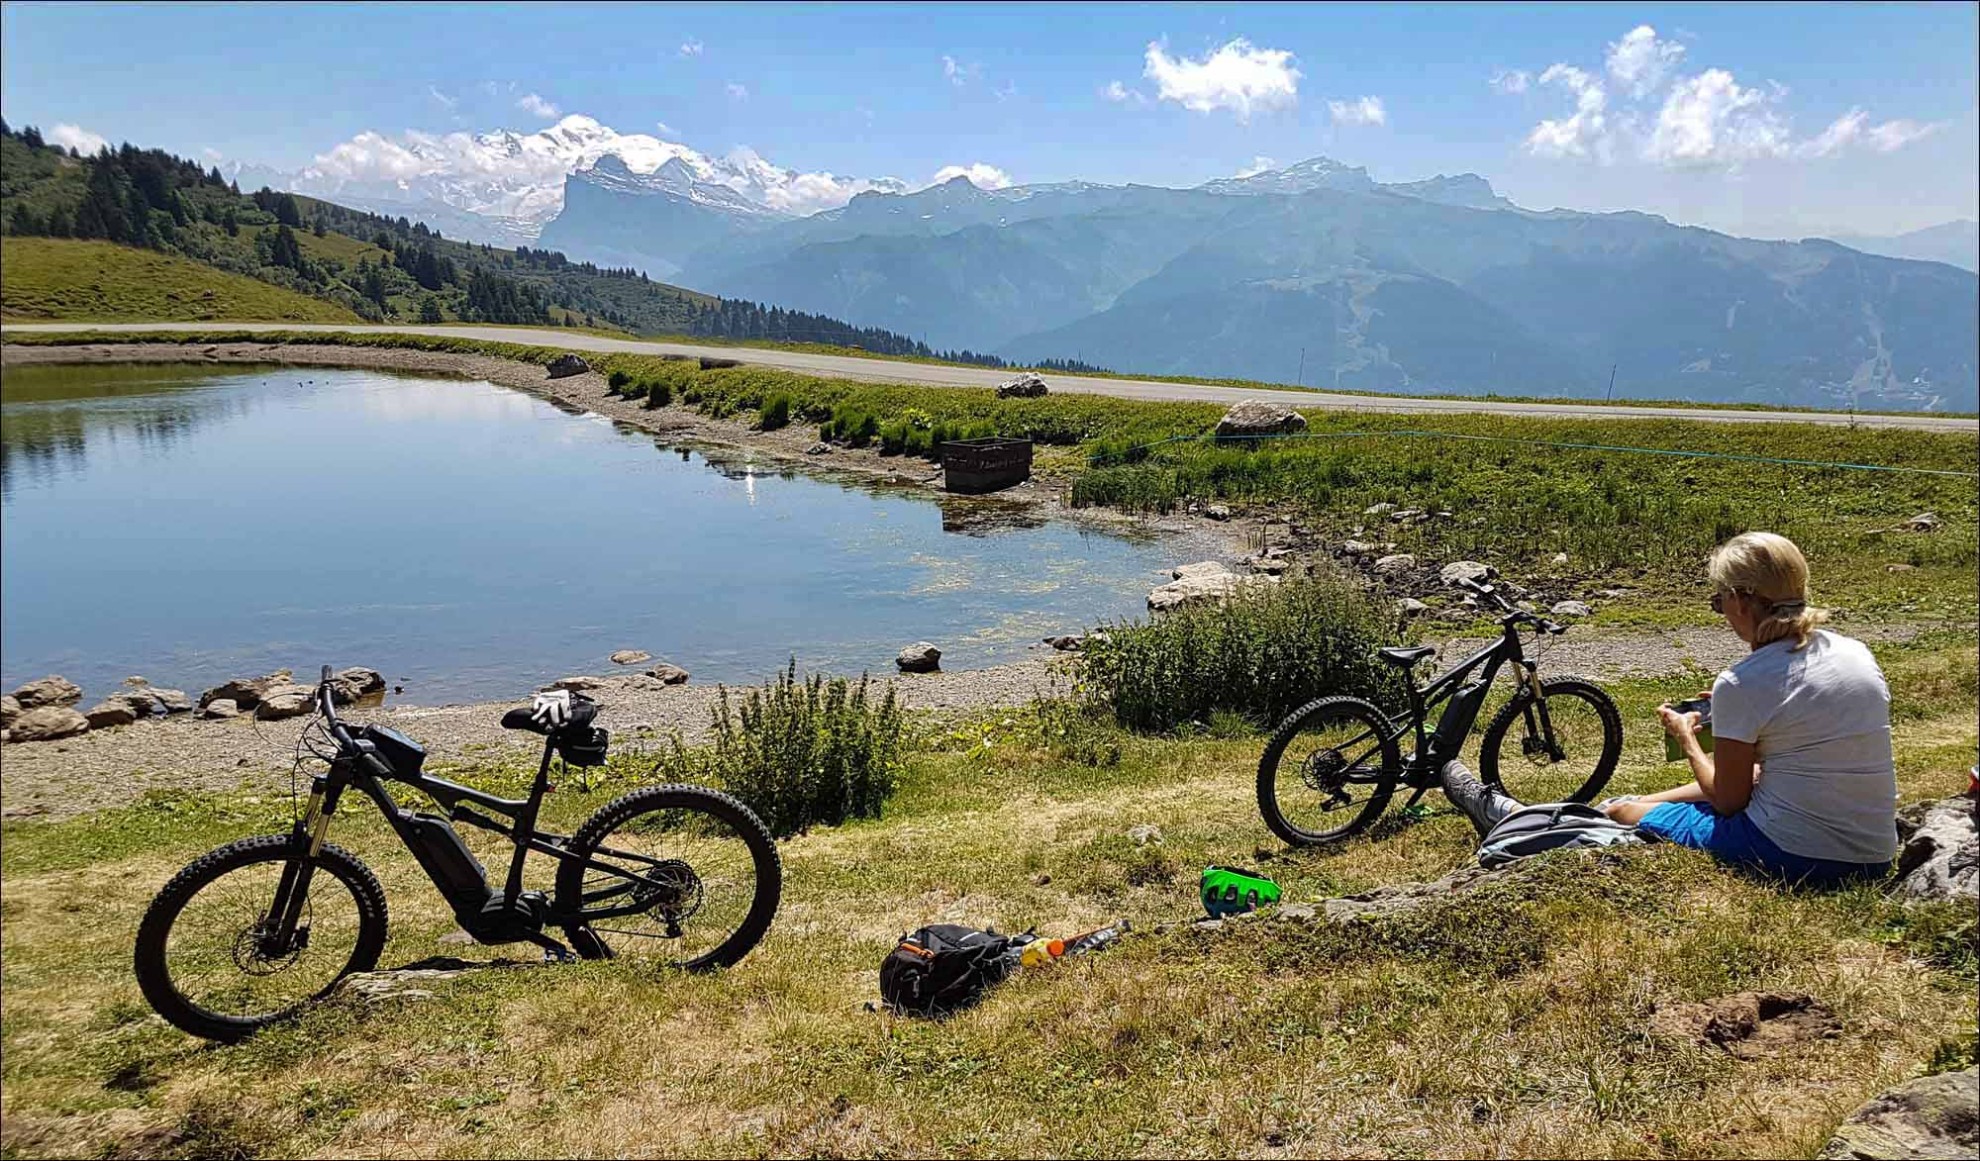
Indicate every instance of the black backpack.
{"type": "Point", "coordinates": [944, 968]}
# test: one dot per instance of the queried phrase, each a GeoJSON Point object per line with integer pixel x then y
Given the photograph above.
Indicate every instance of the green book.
{"type": "Point", "coordinates": [1702, 706]}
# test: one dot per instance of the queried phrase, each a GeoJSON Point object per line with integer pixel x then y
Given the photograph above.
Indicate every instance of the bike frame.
{"type": "Point", "coordinates": [358, 765]}
{"type": "Point", "coordinates": [1435, 747]}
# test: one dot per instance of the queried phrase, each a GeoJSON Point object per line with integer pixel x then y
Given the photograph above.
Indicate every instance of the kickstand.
{"type": "Point", "coordinates": [553, 951]}
{"type": "Point", "coordinates": [1416, 797]}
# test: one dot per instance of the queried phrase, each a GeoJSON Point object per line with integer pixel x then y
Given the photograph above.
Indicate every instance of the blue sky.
{"type": "Point", "coordinates": [1763, 120]}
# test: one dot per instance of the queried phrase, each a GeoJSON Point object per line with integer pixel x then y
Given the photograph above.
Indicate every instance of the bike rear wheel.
{"type": "Point", "coordinates": [685, 874]}
{"type": "Point", "coordinates": [205, 957]}
{"type": "Point", "coordinates": [1328, 771]}
{"type": "Point", "coordinates": [1560, 747]}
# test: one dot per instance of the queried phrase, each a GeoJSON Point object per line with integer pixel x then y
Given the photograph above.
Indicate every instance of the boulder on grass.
{"type": "Point", "coordinates": [1395, 564]}
{"type": "Point", "coordinates": [1570, 609]}
{"type": "Point", "coordinates": [1203, 588]}
{"type": "Point", "coordinates": [564, 366]}
{"type": "Point", "coordinates": [51, 690]}
{"type": "Point", "coordinates": [117, 712]}
{"type": "Point", "coordinates": [1939, 855]}
{"type": "Point", "coordinates": [920, 657]}
{"type": "Point", "coordinates": [1251, 418]}
{"type": "Point", "coordinates": [1025, 386]}
{"type": "Point", "coordinates": [1460, 571]}
{"type": "Point", "coordinates": [46, 723]}
{"type": "Point", "coordinates": [1930, 1117]}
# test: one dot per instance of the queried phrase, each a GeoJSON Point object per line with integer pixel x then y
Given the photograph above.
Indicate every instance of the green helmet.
{"type": "Point", "coordinates": [1232, 890]}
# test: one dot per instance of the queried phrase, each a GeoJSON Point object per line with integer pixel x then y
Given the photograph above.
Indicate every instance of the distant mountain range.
{"type": "Point", "coordinates": [1954, 243]}
{"type": "Point", "coordinates": [1314, 273]}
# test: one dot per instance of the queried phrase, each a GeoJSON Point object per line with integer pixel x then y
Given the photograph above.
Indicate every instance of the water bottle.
{"type": "Point", "coordinates": [1093, 941]}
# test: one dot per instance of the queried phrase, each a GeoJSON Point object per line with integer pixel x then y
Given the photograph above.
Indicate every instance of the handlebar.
{"type": "Point", "coordinates": [327, 703]}
{"type": "Point", "coordinates": [1514, 614]}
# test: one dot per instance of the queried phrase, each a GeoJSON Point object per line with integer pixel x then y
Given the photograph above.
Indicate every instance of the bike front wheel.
{"type": "Point", "coordinates": [684, 874]}
{"type": "Point", "coordinates": [1559, 747]}
{"type": "Point", "coordinates": [1328, 771]}
{"type": "Point", "coordinates": [208, 959]}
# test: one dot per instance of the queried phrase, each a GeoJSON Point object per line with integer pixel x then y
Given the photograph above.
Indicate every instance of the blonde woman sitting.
{"type": "Point", "coordinates": [1810, 707]}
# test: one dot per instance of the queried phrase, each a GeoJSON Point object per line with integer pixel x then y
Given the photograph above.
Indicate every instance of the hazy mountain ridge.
{"type": "Point", "coordinates": [1954, 243]}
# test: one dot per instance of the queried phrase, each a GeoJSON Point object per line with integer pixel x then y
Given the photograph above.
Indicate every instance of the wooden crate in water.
{"type": "Point", "coordinates": [985, 465]}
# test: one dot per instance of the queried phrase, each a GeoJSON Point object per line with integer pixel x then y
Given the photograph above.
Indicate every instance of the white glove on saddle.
{"type": "Point", "coordinates": [552, 709]}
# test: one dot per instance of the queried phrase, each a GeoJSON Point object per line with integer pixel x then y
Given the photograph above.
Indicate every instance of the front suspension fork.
{"type": "Point", "coordinates": [1539, 726]}
{"type": "Point", "coordinates": [292, 892]}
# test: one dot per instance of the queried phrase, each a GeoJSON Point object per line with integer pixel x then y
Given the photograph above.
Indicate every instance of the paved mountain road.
{"type": "Point", "coordinates": [939, 375]}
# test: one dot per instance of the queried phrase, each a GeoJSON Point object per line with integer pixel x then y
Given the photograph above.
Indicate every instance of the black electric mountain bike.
{"type": "Point", "coordinates": [1333, 764]}
{"type": "Point", "coordinates": [249, 933]}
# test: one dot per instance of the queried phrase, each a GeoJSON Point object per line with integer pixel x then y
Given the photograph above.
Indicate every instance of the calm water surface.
{"type": "Point", "coordinates": [192, 524]}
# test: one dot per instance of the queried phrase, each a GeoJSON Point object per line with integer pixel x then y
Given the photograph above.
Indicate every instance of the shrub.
{"type": "Point", "coordinates": [800, 753]}
{"type": "Point", "coordinates": [658, 395]}
{"type": "Point", "coordinates": [617, 380]}
{"type": "Point", "coordinates": [1261, 655]}
{"type": "Point", "coordinates": [776, 412]}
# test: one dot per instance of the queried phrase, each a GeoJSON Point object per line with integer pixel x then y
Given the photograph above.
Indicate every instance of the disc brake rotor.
{"type": "Point", "coordinates": [672, 891]}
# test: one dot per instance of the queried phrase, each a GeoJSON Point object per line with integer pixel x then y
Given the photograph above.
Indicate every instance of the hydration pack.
{"type": "Point", "coordinates": [1533, 830]}
{"type": "Point", "coordinates": [944, 968]}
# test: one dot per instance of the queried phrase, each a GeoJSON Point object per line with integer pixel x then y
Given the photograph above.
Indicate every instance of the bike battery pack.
{"type": "Point", "coordinates": [447, 861]}
{"type": "Point", "coordinates": [1455, 723]}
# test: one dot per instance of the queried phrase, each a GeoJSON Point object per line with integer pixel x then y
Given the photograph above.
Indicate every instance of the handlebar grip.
{"type": "Point", "coordinates": [326, 673]}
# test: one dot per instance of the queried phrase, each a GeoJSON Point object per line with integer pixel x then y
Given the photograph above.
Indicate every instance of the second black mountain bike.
{"type": "Point", "coordinates": [1333, 764]}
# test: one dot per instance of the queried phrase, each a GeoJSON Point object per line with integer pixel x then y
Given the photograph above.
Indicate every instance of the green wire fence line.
{"type": "Point", "coordinates": [1097, 459]}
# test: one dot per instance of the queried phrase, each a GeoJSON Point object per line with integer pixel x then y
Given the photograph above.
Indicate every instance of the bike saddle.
{"type": "Point", "coordinates": [1404, 657]}
{"type": "Point", "coordinates": [582, 711]}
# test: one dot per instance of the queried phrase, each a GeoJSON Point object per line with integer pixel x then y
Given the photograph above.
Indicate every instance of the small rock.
{"type": "Point", "coordinates": [1218, 512]}
{"type": "Point", "coordinates": [820, 448]}
{"type": "Point", "coordinates": [1395, 563]}
{"type": "Point", "coordinates": [575, 684]}
{"type": "Point", "coordinates": [1204, 587]}
{"type": "Point", "coordinates": [1923, 522]}
{"type": "Point", "coordinates": [456, 936]}
{"type": "Point", "coordinates": [1460, 571]}
{"type": "Point", "coordinates": [220, 707]}
{"type": "Point", "coordinates": [668, 673]}
{"type": "Point", "coordinates": [1208, 925]}
{"type": "Point", "coordinates": [1411, 607]}
{"type": "Point", "coordinates": [46, 723]}
{"type": "Point", "coordinates": [920, 657]}
{"type": "Point", "coordinates": [1408, 515]}
{"type": "Point", "coordinates": [1145, 833]}
{"type": "Point", "coordinates": [1899, 567]}
{"type": "Point", "coordinates": [564, 366]}
{"type": "Point", "coordinates": [10, 708]}
{"type": "Point", "coordinates": [51, 690]}
{"type": "Point", "coordinates": [1065, 643]}
{"type": "Point", "coordinates": [174, 701]}
{"type": "Point", "coordinates": [1252, 417]}
{"type": "Point", "coordinates": [288, 700]}
{"type": "Point", "coordinates": [1025, 386]}
{"type": "Point", "coordinates": [1570, 609]}
{"type": "Point", "coordinates": [631, 657]}
{"type": "Point", "coordinates": [1560, 558]}
{"type": "Point", "coordinates": [405, 984]}
{"type": "Point", "coordinates": [1930, 1117]}
{"type": "Point", "coordinates": [110, 713]}
{"type": "Point", "coordinates": [1378, 509]}
{"type": "Point", "coordinates": [245, 692]}
{"type": "Point", "coordinates": [1357, 548]}
{"type": "Point", "coordinates": [1199, 569]}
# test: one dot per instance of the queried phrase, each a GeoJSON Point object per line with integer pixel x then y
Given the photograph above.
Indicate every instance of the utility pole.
{"type": "Point", "coordinates": [1301, 380]}
{"type": "Point", "coordinates": [1612, 383]}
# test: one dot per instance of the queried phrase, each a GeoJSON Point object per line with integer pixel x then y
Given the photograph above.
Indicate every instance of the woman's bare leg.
{"type": "Point", "coordinates": [1632, 811]}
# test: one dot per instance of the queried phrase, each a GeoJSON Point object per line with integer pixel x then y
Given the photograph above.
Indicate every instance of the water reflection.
{"type": "Point", "coordinates": [469, 541]}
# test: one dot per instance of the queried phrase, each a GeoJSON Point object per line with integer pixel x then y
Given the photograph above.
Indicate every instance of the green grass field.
{"type": "Point", "coordinates": [1513, 1022]}
{"type": "Point", "coordinates": [62, 279]}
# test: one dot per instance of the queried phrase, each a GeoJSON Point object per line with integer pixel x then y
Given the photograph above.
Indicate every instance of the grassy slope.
{"type": "Point", "coordinates": [60, 278]}
{"type": "Point", "coordinates": [1516, 1023]}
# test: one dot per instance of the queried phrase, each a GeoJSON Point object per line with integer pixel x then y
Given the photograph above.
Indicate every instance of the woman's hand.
{"type": "Point", "coordinates": [1677, 725]}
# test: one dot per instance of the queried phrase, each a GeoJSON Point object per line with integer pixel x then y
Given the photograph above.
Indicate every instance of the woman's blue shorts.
{"type": "Point", "coordinates": [1734, 840]}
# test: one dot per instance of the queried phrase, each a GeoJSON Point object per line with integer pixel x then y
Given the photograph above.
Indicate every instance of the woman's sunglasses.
{"type": "Point", "coordinates": [1719, 601]}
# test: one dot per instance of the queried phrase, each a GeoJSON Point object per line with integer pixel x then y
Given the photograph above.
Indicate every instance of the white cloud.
{"type": "Point", "coordinates": [536, 106]}
{"type": "Point", "coordinates": [738, 92]}
{"type": "Point", "coordinates": [1704, 121]}
{"type": "Point", "coordinates": [1237, 77]}
{"type": "Point", "coordinates": [446, 102]}
{"type": "Point", "coordinates": [77, 138]}
{"type": "Point", "coordinates": [663, 127]}
{"type": "Point", "coordinates": [1640, 61]}
{"type": "Point", "coordinates": [1258, 165]}
{"type": "Point", "coordinates": [1710, 121]}
{"type": "Point", "coordinates": [1581, 134]}
{"type": "Point", "coordinates": [1366, 111]}
{"type": "Point", "coordinates": [212, 154]}
{"type": "Point", "coordinates": [1854, 128]}
{"type": "Point", "coordinates": [691, 47]}
{"type": "Point", "coordinates": [981, 174]}
{"type": "Point", "coordinates": [1120, 94]}
{"type": "Point", "coordinates": [959, 74]}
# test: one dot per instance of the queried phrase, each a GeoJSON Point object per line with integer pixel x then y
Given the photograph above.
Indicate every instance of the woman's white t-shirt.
{"type": "Point", "coordinates": [1819, 718]}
